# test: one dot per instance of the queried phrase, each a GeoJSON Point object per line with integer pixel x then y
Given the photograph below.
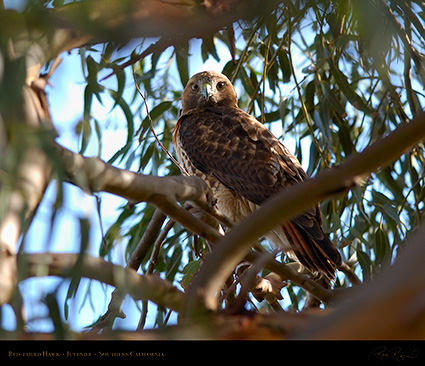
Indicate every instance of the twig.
{"type": "Point", "coordinates": [148, 238]}
{"type": "Point", "coordinates": [144, 315]}
{"type": "Point", "coordinates": [303, 106]}
{"type": "Point", "coordinates": [157, 246]}
{"type": "Point", "coordinates": [151, 266]}
{"type": "Point", "coordinates": [159, 46]}
{"type": "Point", "coordinates": [349, 273]}
{"type": "Point", "coordinates": [406, 72]}
{"type": "Point", "coordinates": [247, 280]}
{"type": "Point", "coordinates": [245, 53]}
{"type": "Point", "coordinates": [183, 170]}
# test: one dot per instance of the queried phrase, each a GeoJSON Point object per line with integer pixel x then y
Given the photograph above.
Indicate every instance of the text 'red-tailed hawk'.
{"type": "Point", "coordinates": [245, 164]}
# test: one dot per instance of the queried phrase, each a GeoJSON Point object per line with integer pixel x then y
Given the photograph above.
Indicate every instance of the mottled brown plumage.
{"type": "Point", "coordinates": [245, 164]}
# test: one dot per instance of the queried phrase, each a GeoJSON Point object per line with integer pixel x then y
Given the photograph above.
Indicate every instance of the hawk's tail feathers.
{"type": "Point", "coordinates": [317, 255]}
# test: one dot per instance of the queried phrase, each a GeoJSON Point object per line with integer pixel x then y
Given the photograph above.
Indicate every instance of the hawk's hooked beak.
{"type": "Point", "coordinates": [207, 91]}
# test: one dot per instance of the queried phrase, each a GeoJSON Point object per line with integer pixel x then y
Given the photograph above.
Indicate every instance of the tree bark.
{"type": "Point", "coordinates": [33, 176]}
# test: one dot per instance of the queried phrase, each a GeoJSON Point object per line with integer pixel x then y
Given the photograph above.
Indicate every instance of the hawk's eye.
{"type": "Point", "coordinates": [221, 85]}
{"type": "Point", "coordinates": [195, 87]}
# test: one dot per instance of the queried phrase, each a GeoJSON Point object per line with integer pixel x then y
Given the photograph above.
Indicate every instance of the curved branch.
{"type": "Point", "coordinates": [236, 244]}
{"type": "Point", "coordinates": [140, 287]}
{"type": "Point", "coordinates": [94, 175]}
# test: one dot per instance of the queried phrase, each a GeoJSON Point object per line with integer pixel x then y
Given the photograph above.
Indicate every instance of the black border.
{"type": "Point", "coordinates": [254, 352]}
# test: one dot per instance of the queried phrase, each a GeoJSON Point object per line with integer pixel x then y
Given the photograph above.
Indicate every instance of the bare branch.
{"type": "Point", "coordinates": [94, 175]}
{"type": "Point", "coordinates": [140, 287]}
{"type": "Point", "coordinates": [149, 237]}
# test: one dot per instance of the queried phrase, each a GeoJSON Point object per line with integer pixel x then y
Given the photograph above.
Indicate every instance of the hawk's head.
{"type": "Point", "coordinates": [208, 88]}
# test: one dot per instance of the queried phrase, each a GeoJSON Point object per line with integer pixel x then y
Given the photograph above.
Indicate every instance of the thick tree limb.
{"type": "Point", "coordinates": [90, 22]}
{"type": "Point", "coordinates": [149, 18]}
{"type": "Point", "coordinates": [236, 244]}
{"type": "Point", "coordinates": [222, 327]}
{"type": "Point", "coordinates": [140, 287]}
{"type": "Point", "coordinates": [32, 177]}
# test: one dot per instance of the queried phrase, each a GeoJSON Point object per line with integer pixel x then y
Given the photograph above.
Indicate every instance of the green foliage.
{"type": "Point", "coordinates": [333, 76]}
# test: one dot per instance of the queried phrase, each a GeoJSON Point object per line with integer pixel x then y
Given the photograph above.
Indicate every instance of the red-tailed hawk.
{"type": "Point", "coordinates": [245, 164]}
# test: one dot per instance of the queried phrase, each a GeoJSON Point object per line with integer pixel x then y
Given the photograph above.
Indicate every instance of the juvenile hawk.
{"type": "Point", "coordinates": [245, 164]}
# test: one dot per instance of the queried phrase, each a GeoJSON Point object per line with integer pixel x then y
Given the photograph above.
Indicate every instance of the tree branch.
{"type": "Point", "coordinates": [236, 244]}
{"type": "Point", "coordinates": [140, 287]}
{"type": "Point", "coordinates": [94, 175]}
{"type": "Point", "coordinates": [90, 22]}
